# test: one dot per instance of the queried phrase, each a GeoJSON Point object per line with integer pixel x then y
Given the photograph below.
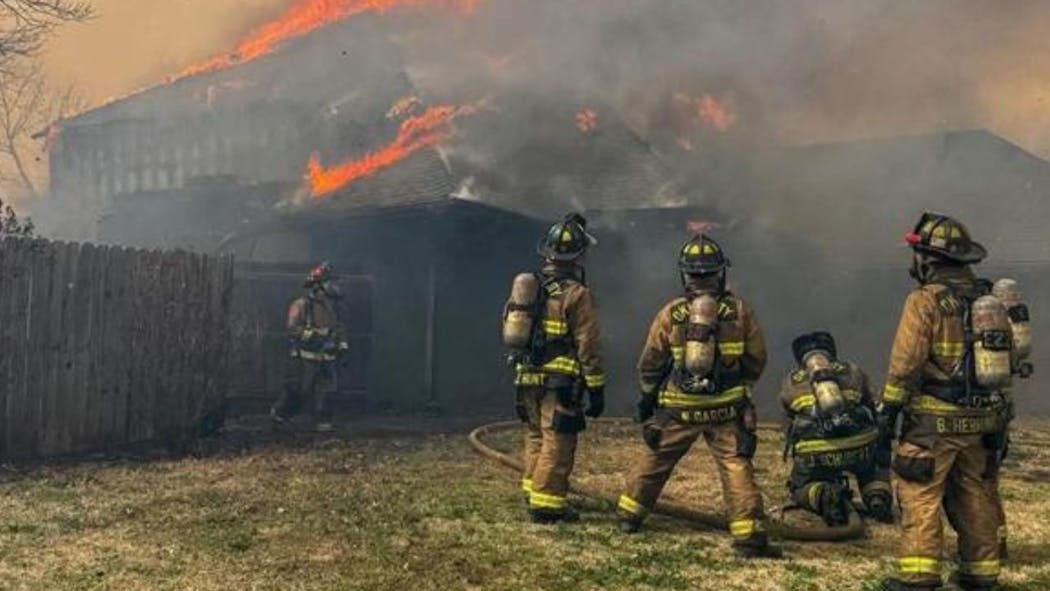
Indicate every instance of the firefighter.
{"type": "Point", "coordinates": [950, 365]}
{"type": "Point", "coordinates": [832, 431]}
{"type": "Point", "coordinates": [551, 328]}
{"type": "Point", "coordinates": [704, 352]}
{"type": "Point", "coordinates": [316, 343]}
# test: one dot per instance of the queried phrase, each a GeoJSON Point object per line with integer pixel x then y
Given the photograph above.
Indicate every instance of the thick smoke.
{"type": "Point", "coordinates": [790, 74]}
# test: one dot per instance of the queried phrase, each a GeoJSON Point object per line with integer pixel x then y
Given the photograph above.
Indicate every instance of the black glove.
{"type": "Point", "coordinates": [887, 433]}
{"type": "Point", "coordinates": [646, 407]}
{"type": "Point", "coordinates": [595, 402]}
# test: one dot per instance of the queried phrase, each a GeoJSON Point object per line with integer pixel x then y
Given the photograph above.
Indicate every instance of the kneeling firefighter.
{"type": "Point", "coordinates": [950, 368]}
{"type": "Point", "coordinates": [316, 343]}
{"type": "Point", "coordinates": [704, 351]}
{"type": "Point", "coordinates": [831, 432]}
{"type": "Point", "coordinates": [550, 327]}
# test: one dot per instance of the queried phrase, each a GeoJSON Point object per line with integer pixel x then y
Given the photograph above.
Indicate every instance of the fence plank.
{"type": "Point", "coordinates": [104, 346]}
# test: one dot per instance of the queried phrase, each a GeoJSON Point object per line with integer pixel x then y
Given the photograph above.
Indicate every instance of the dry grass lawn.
{"type": "Point", "coordinates": [377, 510]}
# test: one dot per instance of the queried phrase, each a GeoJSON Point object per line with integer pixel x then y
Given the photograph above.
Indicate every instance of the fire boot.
{"type": "Point", "coordinates": [835, 504]}
{"type": "Point", "coordinates": [879, 506]}
{"type": "Point", "coordinates": [630, 526]}
{"type": "Point", "coordinates": [549, 517]}
{"type": "Point", "coordinates": [894, 584]}
{"type": "Point", "coordinates": [757, 546]}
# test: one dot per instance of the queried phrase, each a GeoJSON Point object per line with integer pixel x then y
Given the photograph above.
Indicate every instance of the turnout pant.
{"type": "Point", "coordinates": [552, 421]}
{"type": "Point", "coordinates": [951, 472]}
{"type": "Point", "coordinates": [732, 447]}
{"type": "Point", "coordinates": [811, 472]}
{"type": "Point", "coordinates": [308, 383]}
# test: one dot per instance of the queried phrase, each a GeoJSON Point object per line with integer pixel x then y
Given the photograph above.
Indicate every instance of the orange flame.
{"type": "Point", "coordinates": [586, 120]}
{"type": "Point", "coordinates": [717, 114]}
{"type": "Point", "coordinates": [708, 110]}
{"type": "Point", "coordinates": [431, 128]}
{"type": "Point", "coordinates": [304, 17]}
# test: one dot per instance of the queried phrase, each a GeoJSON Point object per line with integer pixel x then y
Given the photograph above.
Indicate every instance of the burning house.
{"type": "Point", "coordinates": [427, 187]}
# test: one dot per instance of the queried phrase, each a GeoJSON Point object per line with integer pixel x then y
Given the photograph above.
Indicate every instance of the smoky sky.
{"type": "Point", "coordinates": [811, 70]}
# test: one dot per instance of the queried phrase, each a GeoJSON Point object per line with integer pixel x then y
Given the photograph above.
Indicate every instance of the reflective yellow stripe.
{"type": "Point", "coordinates": [555, 328]}
{"type": "Point", "coordinates": [912, 565]}
{"type": "Point", "coordinates": [629, 505]}
{"type": "Point", "coordinates": [894, 395]}
{"type": "Point", "coordinates": [814, 495]}
{"type": "Point", "coordinates": [732, 348]}
{"type": "Point", "coordinates": [310, 332]}
{"type": "Point", "coordinates": [949, 349]}
{"type": "Point", "coordinates": [529, 379]}
{"type": "Point", "coordinates": [595, 381]}
{"type": "Point", "coordinates": [744, 528]}
{"type": "Point", "coordinates": [679, 400]}
{"type": "Point", "coordinates": [933, 405]}
{"type": "Point", "coordinates": [678, 353]}
{"type": "Point", "coordinates": [803, 402]}
{"type": "Point", "coordinates": [566, 365]}
{"type": "Point", "coordinates": [813, 446]}
{"type": "Point", "coordinates": [807, 400]}
{"type": "Point", "coordinates": [538, 500]}
{"type": "Point", "coordinates": [526, 485]}
{"type": "Point", "coordinates": [983, 568]}
{"type": "Point", "coordinates": [312, 356]}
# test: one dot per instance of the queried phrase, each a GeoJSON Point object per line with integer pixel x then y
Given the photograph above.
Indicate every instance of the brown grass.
{"type": "Point", "coordinates": [376, 511]}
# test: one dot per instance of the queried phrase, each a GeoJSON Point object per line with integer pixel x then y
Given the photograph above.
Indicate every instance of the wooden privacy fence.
{"type": "Point", "coordinates": [105, 346]}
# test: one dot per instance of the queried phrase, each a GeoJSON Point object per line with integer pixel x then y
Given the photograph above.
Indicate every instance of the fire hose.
{"type": "Point", "coordinates": [852, 531]}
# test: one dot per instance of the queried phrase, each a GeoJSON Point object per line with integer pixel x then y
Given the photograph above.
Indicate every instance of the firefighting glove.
{"type": "Point", "coordinates": [646, 407]}
{"type": "Point", "coordinates": [595, 402]}
{"type": "Point", "coordinates": [887, 432]}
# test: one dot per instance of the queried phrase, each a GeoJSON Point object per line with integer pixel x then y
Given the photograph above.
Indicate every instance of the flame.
{"type": "Point", "coordinates": [586, 120]}
{"type": "Point", "coordinates": [429, 129]}
{"type": "Point", "coordinates": [404, 107]}
{"type": "Point", "coordinates": [717, 114]}
{"type": "Point", "coordinates": [709, 110]}
{"type": "Point", "coordinates": [305, 16]}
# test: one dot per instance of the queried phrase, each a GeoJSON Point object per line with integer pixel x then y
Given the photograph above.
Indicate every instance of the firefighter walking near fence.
{"type": "Point", "coordinates": [316, 344]}
{"type": "Point", "coordinates": [704, 352]}
{"type": "Point", "coordinates": [831, 432]}
{"type": "Point", "coordinates": [952, 362]}
{"type": "Point", "coordinates": [551, 331]}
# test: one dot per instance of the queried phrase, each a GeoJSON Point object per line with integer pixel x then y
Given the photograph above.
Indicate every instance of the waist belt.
{"type": "Point", "coordinates": [956, 394]}
{"type": "Point", "coordinates": [672, 399]}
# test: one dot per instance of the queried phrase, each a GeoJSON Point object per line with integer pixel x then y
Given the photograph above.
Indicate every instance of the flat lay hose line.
{"type": "Point", "coordinates": [778, 529]}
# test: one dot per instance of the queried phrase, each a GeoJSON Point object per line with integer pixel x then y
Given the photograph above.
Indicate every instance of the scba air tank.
{"type": "Point", "coordinates": [826, 390]}
{"type": "Point", "coordinates": [991, 343]}
{"type": "Point", "coordinates": [1009, 293]}
{"type": "Point", "coordinates": [521, 314]}
{"type": "Point", "coordinates": [700, 339]}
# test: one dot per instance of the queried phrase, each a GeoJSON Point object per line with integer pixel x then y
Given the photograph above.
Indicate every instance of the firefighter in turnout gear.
{"type": "Point", "coordinates": [832, 431]}
{"type": "Point", "coordinates": [551, 329]}
{"type": "Point", "coordinates": [704, 351]}
{"type": "Point", "coordinates": [316, 343]}
{"type": "Point", "coordinates": [950, 366]}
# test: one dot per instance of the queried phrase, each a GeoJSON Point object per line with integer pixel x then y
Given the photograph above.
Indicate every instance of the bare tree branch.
{"type": "Point", "coordinates": [26, 24]}
{"type": "Point", "coordinates": [29, 105]}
